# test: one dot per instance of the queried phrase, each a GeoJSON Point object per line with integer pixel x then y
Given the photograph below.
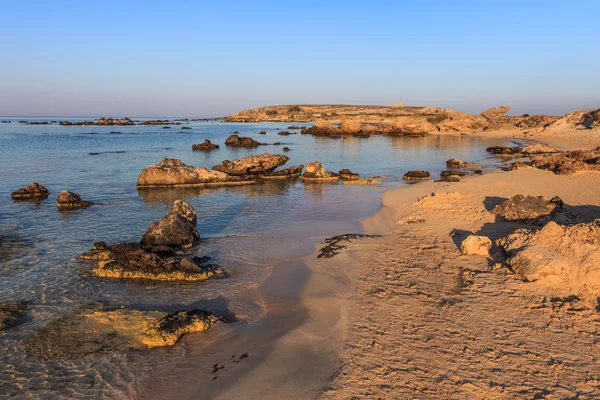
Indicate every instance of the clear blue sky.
{"type": "Point", "coordinates": [211, 58]}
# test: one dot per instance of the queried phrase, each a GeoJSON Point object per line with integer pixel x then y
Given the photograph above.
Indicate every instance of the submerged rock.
{"type": "Point", "coordinates": [172, 172]}
{"type": "Point", "coordinates": [526, 208]}
{"type": "Point", "coordinates": [33, 191]}
{"type": "Point", "coordinates": [98, 329]}
{"type": "Point", "coordinates": [416, 175]}
{"type": "Point", "coordinates": [476, 245]}
{"type": "Point", "coordinates": [207, 145]}
{"type": "Point", "coordinates": [175, 231]}
{"type": "Point", "coordinates": [236, 141]}
{"type": "Point", "coordinates": [70, 200]}
{"type": "Point", "coordinates": [314, 171]}
{"type": "Point", "coordinates": [346, 174]}
{"type": "Point", "coordinates": [253, 165]}
{"type": "Point", "coordinates": [10, 313]}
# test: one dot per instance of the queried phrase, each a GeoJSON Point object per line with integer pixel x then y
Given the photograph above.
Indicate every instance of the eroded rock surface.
{"type": "Point", "coordinates": [476, 245]}
{"type": "Point", "coordinates": [236, 141]}
{"type": "Point", "coordinates": [314, 171]}
{"type": "Point", "coordinates": [33, 191]}
{"type": "Point", "coordinates": [569, 162]}
{"type": "Point", "coordinates": [68, 200]}
{"type": "Point", "coordinates": [207, 145]}
{"type": "Point", "coordinates": [527, 208]}
{"type": "Point", "coordinates": [416, 175]}
{"type": "Point", "coordinates": [175, 231]}
{"type": "Point", "coordinates": [346, 174]}
{"type": "Point", "coordinates": [253, 165]}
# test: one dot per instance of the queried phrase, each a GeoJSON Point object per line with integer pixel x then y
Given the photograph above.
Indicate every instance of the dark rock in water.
{"type": "Point", "coordinates": [286, 149]}
{"type": "Point", "coordinates": [166, 127]}
{"type": "Point", "coordinates": [296, 127]}
{"type": "Point", "coordinates": [207, 145]}
{"type": "Point", "coordinates": [503, 150]}
{"type": "Point", "coordinates": [478, 172]}
{"type": "Point", "coordinates": [174, 232]}
{"type": "Point", "coordinates": [291, 172]}
{"type": "Point", "coordinates": [416, 175]}
{"type": "Point", "coordinates": [455, 163]}
{"type": "Point", "coordinates": [97, 329]}
{"type": "Point", "coordinates": [131, 261]}
{"type": "Point", "coordinates": [316, 172]}
{"type": "Point", "coordinates": [236, 141]}
{"type": "Point", "coordinates": [333, 246]}
{"type": "Point", "coordinates": [10, 314]}
{"type": "Point", "coordinates": [277, 144]}
{"type": "Point", "coordinates": [527, 208]}
{"type": "Point", "coordinates": [346, 174]}
{"type": "Point", "coordinates": [284, 133]}
{"type": "Point", "coordinates": [70, 200]}
{"type": "Point", "coordinates": [186, 127]}
{"type": "Point", "coordinates": [253, 165]}
{"type": "Point", "coordinates": [115, 133]}
{"type": "Point", "coordinates": [453, 172]}
{"type": "Point", "coordinates": [262, 132]}
{"type": "Point", "coordinates": [33, 191]}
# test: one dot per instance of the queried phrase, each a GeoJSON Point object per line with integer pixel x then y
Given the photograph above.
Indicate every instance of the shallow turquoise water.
{"type": "Point", "coordinates": [246, 228]}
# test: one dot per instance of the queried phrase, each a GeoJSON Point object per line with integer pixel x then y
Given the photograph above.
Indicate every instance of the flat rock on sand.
{"type": "Point", "coordinates": [99, 329]}
{"type": "Point", "coordinates": [526, 208]}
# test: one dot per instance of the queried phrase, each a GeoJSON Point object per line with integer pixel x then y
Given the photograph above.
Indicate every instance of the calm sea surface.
{"type": "Point", "coordinates": [247, 228]}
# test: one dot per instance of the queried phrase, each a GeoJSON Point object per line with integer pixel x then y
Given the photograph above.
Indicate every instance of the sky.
{"type": "Point", "coordinates": [214, 58]}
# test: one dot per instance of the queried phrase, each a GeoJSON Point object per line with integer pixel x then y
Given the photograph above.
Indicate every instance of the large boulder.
{"type": "Point", "coordinates": [416, 175]}
{"type": "Point", "coordinates": [174, 232]}
{"type": "Point", "coordinates": [236, 141]}
{"type": "Point", "coordinates": [33, 191]}
{"type": "Point", "coordinates": [526, 208]}
{"type": "Point", "coordinates": [476, 245]}
{"type": "Point", "coordinates": [172, 172]}
{"type": "Point", "coordinates": [68, 200]}
{"type": "Point", "coordinates": [495, 114]}
{"type": "Point", "coordinates": [132, 261]}
{"type": "Point", "coordinates": [97, 329]}
{"type": "Point", "coordinates": [253, 165]}
{"type": "Point", "coordinates": [314, 171]}
{"type": "Point", "coordinates": [346, 174]}
{"type": "Point", "coordinates": [207, 145]}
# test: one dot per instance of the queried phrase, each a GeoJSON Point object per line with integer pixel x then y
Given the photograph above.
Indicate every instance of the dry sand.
{"type": "Point", "coordinates": [427, 322]}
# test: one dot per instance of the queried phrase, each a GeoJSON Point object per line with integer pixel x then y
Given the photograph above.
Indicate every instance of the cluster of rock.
{"type": "Point", "coordinates": [33, 191]}
{"type": "Point", "coordinates": [158, 255]}
{"type": "Point", "coordinates": [568, 162]}
{"type": "Point", "coordinates": [207, 145]}
{"type": "Point", "coordinates": [520, 151]}
{"type": "Point", "coordinates": [98, 328]}
{"type": "Point", "coordinates": [247, 170]}
{"type": "Point", "coordinates": [101, 121]}
{"type": "Point", "coordinates": [315, 172]}
{"type": "Point", "coordinates": [65, 200]}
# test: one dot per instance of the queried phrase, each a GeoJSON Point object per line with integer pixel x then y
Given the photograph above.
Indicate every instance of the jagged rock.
{"type": "Point", "coordinates": [172, 172]}
{"type": "Point", "coordinates": [236, 141]}
{"type": "Point", "coordinates": [132, 261]}
{"type": "Point", "coordinates": [454, 163]}
{"type": "Point", "coordinates": [526, 208]}
{"type": "Point", "coordinates": [346, 174]}
{"type": "Point", "coordinates": [315, 172]}
{"type": "Point", "coordinates": [175, 231]}
{"type": "Point", "coordinates": [98, 329]}
{"type": "Point", "coordinates": [503, 150]}
{"type": "Point", "coordinates": [70, 200]}
{"type": "Point", "coordinates": [569, 162]}
{"type": "Point", "coordinates": [476, 245]}
{"type": "Point", "coordinates": [253, 165]}
{"type": "Point", "coordinates": [521, 150]}
{"type": "Point", "coordinates": [412, 126]}
{"type": "Point", "coordinates": [262, 132]}
{"type": "Point", "coordinates": [518, 165]}
{"type": "Point", "coordinates": [207, 145]}
{"type": "Point", "coordinates": [33, 191]}
{"type": "Point", "coordinates": [10, 313]}
{"type": "Point", "coordinates": [416, 175]}
{"type": "Point", "coordinates": [570, 252]}
{"type": "Point", "coordinates": [291, 172]}
{"type": "Point", "coordinates": [495, 114]}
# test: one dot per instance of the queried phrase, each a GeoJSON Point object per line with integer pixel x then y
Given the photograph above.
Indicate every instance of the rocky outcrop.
{"type": "Point", "coordinates": [175, 231]}
{"type": "Point", "coordinates": [98, 329]}
{"type": "Point", "coordinates": [291, 172]}
{"type": "Point", "coordinates": [449, 178]}
{"type": "Point", "coordinates": [518, 165]}
{"type": "Point", "coordinates": [416, 175]}
{"type": "Point", "coordinates": [412, 126]}
{"type": "Point", "coordinates": [569, 162]}
{"type": "Point", "coordinates": [346, 174]}
{"type": "Point", "coordinates": [495, 114]}
{"type": "Point", "coordinates": [33, 191]}
{"type": "Point", "coordinates": [527, 208]}
{"type": "Point", "coordinates": [455, 163]}
{"type": "Point", "coordinates": [236, 141]}
{"type": "Point", "coordinates": [521, 150]}
{"type": "Point", "coordinates": [569, 254]}
{"type": "Point", "coordinates": [285, 133]}
{"type": "Point", "coordinates": [172, 172]}
{"type": "Point", "coordinates": [207, 145]}
{"type": "Point", "coordinates": [316, 172]}
{"type": "Point", "coordinates": [68, 200]}
{"type": "Point", "coordinates": [253, 165]}
{"type": "Point", "coordinates": [10, 314]}
{"type": "Point", "coordinates": [476, 245]}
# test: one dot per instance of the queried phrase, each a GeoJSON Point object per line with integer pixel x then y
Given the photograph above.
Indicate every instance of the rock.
{"type": "Point", "coordinates": [10, 314]}
{"type": "Point", "coordinates": [262, 132]}
{"type": "Point", "coordinates": [291, 172]}
{"type": "Point", "coordinates": [70, 200]}
{"type": "Point", "coordinates": [315, 172]}
{"type": "Point", "coordinates": [346, 174]}
{"type": "Point", "coordinates": [449, 178]}
{"type": "Point", "coordinates": [572, 253]}
{"type": "Point", "coordinates": [132, 261]}
{"type": "Point", "coordinates": [568, 162]}
{"type": "Point", "coordinates": [478, 172]}
{"type": "Point", "coordinates": [296, 127]}
{"type": "Point", "coordinates": [476, 245]}
{"type": "Point", "coordinates": [351, 126]}
{"type": "Point", "coordinates": [174, 232]}
{"type": "Point", "coordinates": [33, 191]}
{"type": "Point", "coordinates": [526, 208]}
{"type": "Point", "coordinates": [447, 172]}
{"type": "Point", "coordinates": [284, 133]}
{"type": "Point", "coordinates": [518, 165]}
{"type": "Point", "coordinates": [322, 128]}
{"type": "Point", "coordinates": [172, 172]}
{"type": "Point", "coordinates": [253, 165]}
{"type": "Point", "coordinates": [186, 127]}
{"type": "Point", "coordinates": [364, 181]}
{"type": "Point", "coordinates": [207, 145]}
{"type": "Point", "coordinates": [538, 148]}
{"type": "Point", "coordinates": [236, 141]}
{"type": "Point", "coordinates": [416, 175]}
{"type": "Point", "coordinates": [98, 329]}
{"type": "Point", "coordinates": [521, 150]}
{"type": "Point", "coordinates": [503, 150]}
{"type": "Point", "coordinates": [286, 149]}
{"type": "Point", "coordinates": [495, 114]}
{"type": "Point", "coordinates": [454, 163]}
{"type": "Point", "coordinates": [412, 126]}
